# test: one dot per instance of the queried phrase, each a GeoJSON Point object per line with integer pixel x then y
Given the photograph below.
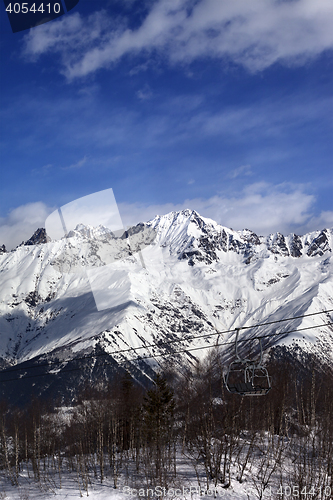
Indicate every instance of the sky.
{"type": "Point", "coordinates": [221, 106]}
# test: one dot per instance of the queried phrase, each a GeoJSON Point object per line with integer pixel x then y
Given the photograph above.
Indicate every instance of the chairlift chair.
{"type": "Point", "coordinates": [245, 377]}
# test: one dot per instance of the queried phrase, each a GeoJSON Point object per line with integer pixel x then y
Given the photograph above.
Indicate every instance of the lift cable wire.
{"type": "Point", "coordinates": [139, 358]}
{"type": "Point", "coordinates": [165, 343]}
{"type": "Point", "coordinates": [285, 319]}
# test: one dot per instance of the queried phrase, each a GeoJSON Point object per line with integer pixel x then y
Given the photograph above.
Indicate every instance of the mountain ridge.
{"type": "Point", "coordinates": [197, 278]}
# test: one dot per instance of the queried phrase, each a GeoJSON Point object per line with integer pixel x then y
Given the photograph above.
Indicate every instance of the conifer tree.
{"type": "Point", "coordinates": [158, 408]}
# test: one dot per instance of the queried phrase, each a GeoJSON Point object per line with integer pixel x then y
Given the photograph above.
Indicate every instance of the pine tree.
{"type": "Point", "coordinates": [158, 410]}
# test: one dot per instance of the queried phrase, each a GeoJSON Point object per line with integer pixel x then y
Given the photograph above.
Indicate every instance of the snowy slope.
{"type": "Point", "coordinates": [196, 278]}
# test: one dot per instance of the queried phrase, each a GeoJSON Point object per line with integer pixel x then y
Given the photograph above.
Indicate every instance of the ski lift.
{"type": "Point", "coordinates": [246, 377]}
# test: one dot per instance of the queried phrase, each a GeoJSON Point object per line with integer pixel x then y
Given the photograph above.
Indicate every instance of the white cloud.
{"type": "Point", "coordinates": [77, 164]}
{"type": "Point", "coordinates": [21, 223]}
{"type": "Point", "coordinates": [44, 170]}
{"type": "Point", "coordinates": [145, 93]}
{"type": "Point", "coordinates": [240, 172]}
{"type": "Point", "coordinates": [323, 220]}
{"type": "Point", "coordinates": [261, 207]}
{"type": "Point", "coordinates": [253, 34]}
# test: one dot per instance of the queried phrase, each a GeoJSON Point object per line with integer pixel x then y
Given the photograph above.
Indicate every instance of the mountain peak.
{"type": "Point", "coordinates": [91, 232]}
{"type": "Point", "coordinates": [199, 239]}
{"type": "Point", "coordinates": [38, 237]}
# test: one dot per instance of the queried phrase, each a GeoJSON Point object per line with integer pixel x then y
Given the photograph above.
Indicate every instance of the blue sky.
{"type": "Point", "coordinates": [220, 106]}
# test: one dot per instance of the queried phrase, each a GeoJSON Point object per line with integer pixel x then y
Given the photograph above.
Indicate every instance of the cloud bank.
{"type": "Point", "coordinates": [261, 207]}
{"type": "Point", "coordinates": [21, 223]}
{"type": "Point", "coordinates": [252, 34]}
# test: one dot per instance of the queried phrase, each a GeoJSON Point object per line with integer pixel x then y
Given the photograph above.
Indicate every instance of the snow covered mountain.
{"type": "Point", "coordinates": [196, 279]}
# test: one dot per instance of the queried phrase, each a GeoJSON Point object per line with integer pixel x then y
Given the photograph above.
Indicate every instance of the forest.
{"type": "Point", "coordinates": [183, 431]}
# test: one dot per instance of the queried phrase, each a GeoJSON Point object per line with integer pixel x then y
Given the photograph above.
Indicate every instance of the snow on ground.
{"type": "Point", "coordinates": [269, 464]}
{"type": "Point", "coordinates": [183, 489]}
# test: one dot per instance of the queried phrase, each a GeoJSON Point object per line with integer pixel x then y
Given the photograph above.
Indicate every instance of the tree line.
{"type": "Point", "coordinates": [135, 436]}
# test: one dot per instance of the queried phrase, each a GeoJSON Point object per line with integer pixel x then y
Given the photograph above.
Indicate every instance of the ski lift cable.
{"type": "Point", "coordinates": [284, 319]}
{"type": "Point", "coordinates": [140, 358]}
{"type": "Point", "coordinates": [165, 343]}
